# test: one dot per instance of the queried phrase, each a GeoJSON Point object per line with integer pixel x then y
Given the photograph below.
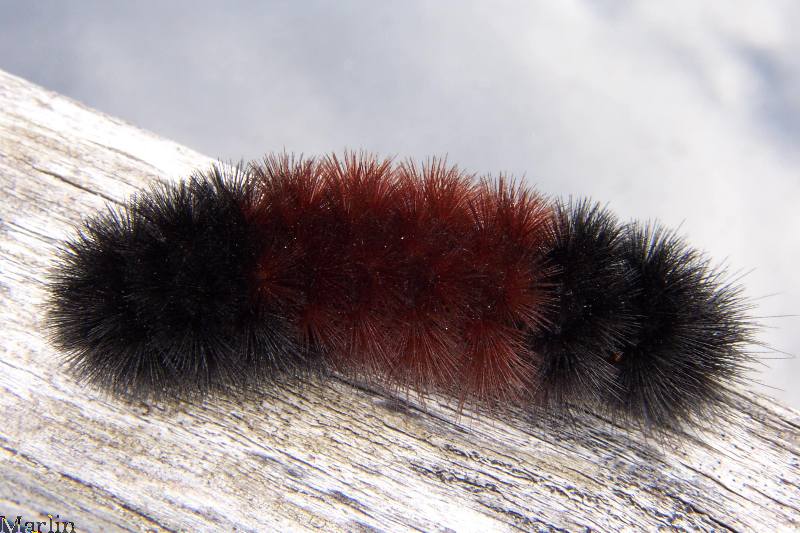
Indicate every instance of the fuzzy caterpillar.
{"type": "Point", "coordinates": [417, 277]}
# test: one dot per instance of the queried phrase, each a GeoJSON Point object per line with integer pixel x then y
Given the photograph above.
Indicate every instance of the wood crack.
{"type": "Point", "coordinates": [63, 179]}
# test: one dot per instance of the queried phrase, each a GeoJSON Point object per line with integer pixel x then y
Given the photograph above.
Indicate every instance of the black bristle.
{"type": "Point", "coordinates": [154, 299]}
{"type": "Point", "coordinates": [591, 318]}
{"type": "Point", "coordinates": [692, 329]}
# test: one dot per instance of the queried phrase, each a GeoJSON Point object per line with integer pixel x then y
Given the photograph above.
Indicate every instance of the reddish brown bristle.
{"type": "Point", "coordinates": [417, 276]}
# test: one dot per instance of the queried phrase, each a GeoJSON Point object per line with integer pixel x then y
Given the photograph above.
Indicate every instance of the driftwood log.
{"type": "Point", "coordinates": [320, 454]}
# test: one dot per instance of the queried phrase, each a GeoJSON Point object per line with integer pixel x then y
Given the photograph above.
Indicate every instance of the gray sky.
{"type": "Point", "coordinates": [684, 111]}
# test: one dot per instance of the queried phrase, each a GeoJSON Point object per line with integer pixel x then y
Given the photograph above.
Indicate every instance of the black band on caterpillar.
{"type": "Point", "coordinates": [155, 299]}
{"type": "Point", "coordinates": [692, 329]}
{"type": "Point", "coordinates": [591, 316]}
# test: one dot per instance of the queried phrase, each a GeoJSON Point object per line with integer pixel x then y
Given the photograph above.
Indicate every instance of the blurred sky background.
{"type": "Point", "coordinates": [684, 111]}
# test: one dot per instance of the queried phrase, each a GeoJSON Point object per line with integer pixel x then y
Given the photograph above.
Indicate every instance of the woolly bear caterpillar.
{"type": "Point", "coordinates": [419, 277]}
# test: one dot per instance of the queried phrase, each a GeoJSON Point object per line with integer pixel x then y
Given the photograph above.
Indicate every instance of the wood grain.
{"type": "Point", "coordinates": [322, 454]}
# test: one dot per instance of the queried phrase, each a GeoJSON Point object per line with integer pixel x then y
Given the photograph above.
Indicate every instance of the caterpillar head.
{"type": "Point", "coordinates": [155, 298]}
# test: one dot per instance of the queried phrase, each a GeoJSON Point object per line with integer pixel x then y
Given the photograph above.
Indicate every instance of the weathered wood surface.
{"type": "Point", "coordinates": [320, 455]}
